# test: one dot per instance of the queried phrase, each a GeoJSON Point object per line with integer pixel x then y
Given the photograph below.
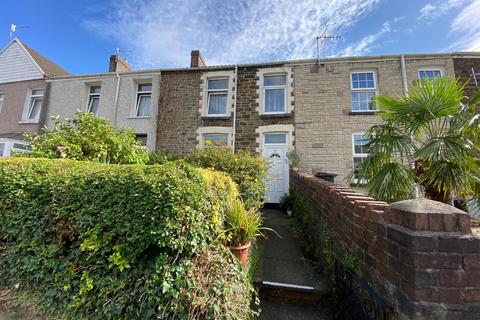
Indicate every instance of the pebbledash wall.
{"type": "Point", "coordinates": [419, 255]}
{"type": "Point", "coordinates": [68, 94]}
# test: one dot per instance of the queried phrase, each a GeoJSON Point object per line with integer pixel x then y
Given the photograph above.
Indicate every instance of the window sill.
{"type": "Point", "coordinates": [29, 122]}
{"type": "Point", "coordinates": [138, 117]}
{"type": "Point", "coordinates": [275, 115]}
{"type": "Point", "coordinates": [363, 113]}
{"type": "Point", "coordinates": [215, 117]}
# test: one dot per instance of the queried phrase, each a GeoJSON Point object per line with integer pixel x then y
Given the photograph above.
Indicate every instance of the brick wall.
{"type": "Point", "coordinates": [178, 111]}
{"type": "Point", "coordinates": [420, 255]}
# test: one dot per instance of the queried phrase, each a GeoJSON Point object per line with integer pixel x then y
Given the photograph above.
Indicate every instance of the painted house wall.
{"type": "Point", "coordinates": [16, 95]}
{"type": "Point", "coordinates": [323, 123]}
{"type": "Point", "coordinates": [70, 94]}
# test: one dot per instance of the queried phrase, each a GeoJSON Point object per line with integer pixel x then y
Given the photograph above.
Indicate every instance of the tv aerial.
{"type": "Point", "coordinates": [14, 27]}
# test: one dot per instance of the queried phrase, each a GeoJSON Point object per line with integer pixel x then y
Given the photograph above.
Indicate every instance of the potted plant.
{"type": "Point", "coordinates": [241, 227]}
{"type": "Point", "coordinates": [286, 203]}
{"type": "Point", "coordinates": [293, 159]}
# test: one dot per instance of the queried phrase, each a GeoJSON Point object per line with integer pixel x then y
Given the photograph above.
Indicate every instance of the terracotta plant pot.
{"type": "Point", "coordinates": [241, 253]}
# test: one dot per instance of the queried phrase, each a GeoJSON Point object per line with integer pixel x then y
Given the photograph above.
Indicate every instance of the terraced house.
{"type": "Point", "coordinates": [23, 89]}
{"type": "Point", "coordinates": [320, 108]}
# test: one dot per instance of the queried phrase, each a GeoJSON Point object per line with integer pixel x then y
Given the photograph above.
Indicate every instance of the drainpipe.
{"type": "Point", "coordinates": [115, 103]}
{"type": "Point", "coordinates": [405, 91]}
{"type": "Point", "coordinates": [404, 75]}
{"type": "Point", "coordinates": [234, 126]}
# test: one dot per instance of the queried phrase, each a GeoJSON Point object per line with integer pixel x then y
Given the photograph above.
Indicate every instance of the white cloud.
{"type": "Point", "coordinates": [160, 33]}
{"type": "Point", "coordinates": [366, 44]}
{"type": "Point", "coordinates": [433, 11]}
{"type": "Point", "coordinates": [466, 26]}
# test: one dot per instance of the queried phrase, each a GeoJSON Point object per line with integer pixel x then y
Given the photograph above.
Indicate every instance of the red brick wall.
{"type": "Point", "coordinates": [419, 255]}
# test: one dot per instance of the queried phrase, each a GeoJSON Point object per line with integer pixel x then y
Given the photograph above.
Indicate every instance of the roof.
{"type": "Point", "coordinates": [326, 60]}
{"type": "Point", "coordinates": [48, 67]}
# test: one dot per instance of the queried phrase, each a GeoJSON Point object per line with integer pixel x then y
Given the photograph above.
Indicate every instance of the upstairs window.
{"type": "Point", "coordinates": [363, 90]}
{"type": "Point", "coordinates": [94, 99]}
{"type": "Point", "coordinates": [217, 97]}
{"type": "Point", "coordinates": [34, 106]}
{"type": "Point", "coordinates": [2, 97]}
{"type": "Point", "coordinates": [429, 74]}
{"type": "Point", "coordinates": [274, 94]}
{"type": "Point", "coordinates": [360, 152]}
{"type": "Point", "coordinates": [215, 139]}
{"type": "Point", "coordinates": [144, 100]}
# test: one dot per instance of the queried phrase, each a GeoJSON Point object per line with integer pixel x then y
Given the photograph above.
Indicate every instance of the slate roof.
{"type": "Point", "coordinates": [49, 67]}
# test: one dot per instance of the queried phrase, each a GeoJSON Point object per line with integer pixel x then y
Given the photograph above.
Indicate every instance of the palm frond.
{"type": "Point", "coordinates": [393, 182]}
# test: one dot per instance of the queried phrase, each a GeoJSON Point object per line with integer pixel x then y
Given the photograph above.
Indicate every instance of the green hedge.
{"type": "Point", "coordinates": [247, 170]}
{"type": "Point", "coordinates": [99, 241]}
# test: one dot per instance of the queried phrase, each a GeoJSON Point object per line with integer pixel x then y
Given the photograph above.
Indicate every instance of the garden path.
{"type": "Point", "coordinates": [289, 286]}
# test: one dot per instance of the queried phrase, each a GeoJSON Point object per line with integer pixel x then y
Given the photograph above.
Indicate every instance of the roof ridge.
{"type": "Point", "coordinates": [49, 67]}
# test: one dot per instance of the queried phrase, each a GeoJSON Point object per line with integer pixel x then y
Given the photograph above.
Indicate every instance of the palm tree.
{"type": "Point", "coordinates": [428, 139]}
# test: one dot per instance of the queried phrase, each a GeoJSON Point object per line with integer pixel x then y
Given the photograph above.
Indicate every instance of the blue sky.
{"type": "Point", "coordinates": [80, 35]}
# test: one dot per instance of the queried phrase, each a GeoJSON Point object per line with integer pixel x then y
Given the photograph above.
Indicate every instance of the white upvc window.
{"type": "Point", "coordinates": [2, 149]}
{"type": "Point", "coordinates": [2, 97]}
{"type": "Point", "coordinates": [360, 152]}
{"type": "Point", "coordinates": [215, 139]}
{"type": "Point", "coordinates": [217, 97]}
{"type": "Point", "coordinates": [274, 94]}
{"type": "Point", "coordinates": [430, 74]}
{"type": "Point", "coordinates": [33, 106]}
{"type": "Point", "coordinates": [94, 99]}
{"type": "Point", "coordinates": [364, 88]}
{"type": "Point", "coordinates": [143, 100]}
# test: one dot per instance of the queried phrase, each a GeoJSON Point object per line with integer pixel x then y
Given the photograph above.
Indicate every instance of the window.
{"type": "Point", "coordinates": [275, 138]}
{"type": "Point", "coordinates": [2, 148]}
{"type": "Point", "coordinates": [215, 139]}
{"type": "Point", "coordinates": [93, 99]}
{"type": "Point", "coordinates": [363, 90]}
{"type": "Point", "coordinates": [144, 100]}
{"type": "Point", "coordinates": [430, 74]}
{"type": "Point", "coordinates": [34, 105]}
{"type": "Point", "coordinates": [2, 97]}
{"type": "Point", "coordinates": [142, 138]}
{"type": "Point", "coordinates": [360, 152]}
{"type": "Point", "coordinates": [217, 97]}
{"type": "Point", "coordinates": [274, 93]}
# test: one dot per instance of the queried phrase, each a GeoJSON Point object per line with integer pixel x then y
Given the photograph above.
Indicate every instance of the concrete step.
{"type": "Point", "coordinates": [291, 293]}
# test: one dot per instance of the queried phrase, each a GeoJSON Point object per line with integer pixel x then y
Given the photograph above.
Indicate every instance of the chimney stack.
{"type": "Point", "coordinates": [118, 64]}
{"type": "Point", "coordinates": [196, 60]}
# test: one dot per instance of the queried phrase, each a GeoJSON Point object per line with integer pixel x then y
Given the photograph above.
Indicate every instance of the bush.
{"type": "Point", "coordinates": [159, 157]}
{"type": "Point", "coordinates": [88, 137]}
{"type": "Point", "coordinates": [246, 170]}
{"type": "Point", "coordinates": [103, 241]}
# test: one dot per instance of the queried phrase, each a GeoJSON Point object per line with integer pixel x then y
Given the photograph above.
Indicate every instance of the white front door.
{"type": "Point", "coordinates": [275, 151]}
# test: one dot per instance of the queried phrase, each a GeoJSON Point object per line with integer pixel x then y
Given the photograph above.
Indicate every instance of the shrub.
{"type": "Point", "coordinates": [159, 157]}
{"type": "Point", "coordinates": [242, 225]}
{"type": "Point", "coordinates": [88, 137]}
{"type": "Point", "coordinates": [247, 170]}
{"type": "Point", "coordinates": [104, 241]}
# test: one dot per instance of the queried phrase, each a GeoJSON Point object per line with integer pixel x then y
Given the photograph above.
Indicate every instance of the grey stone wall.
{"type": "Point", "coordinates": [323, 122]}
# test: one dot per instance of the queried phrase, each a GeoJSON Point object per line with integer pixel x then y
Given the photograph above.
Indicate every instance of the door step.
{"type": "Point", "coordinates": [292, 293]}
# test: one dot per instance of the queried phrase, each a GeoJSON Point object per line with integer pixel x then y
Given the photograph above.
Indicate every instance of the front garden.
{"type": "Point", "coordinates": [97, 240]}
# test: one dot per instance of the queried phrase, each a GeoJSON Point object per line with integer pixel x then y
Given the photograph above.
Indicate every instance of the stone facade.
{"type": "Point", "coordinates": [178, 111]}
{"type": "Point", "coordinates": [463, 70]}
{"type": "Point", "coordinates": [324, 123]}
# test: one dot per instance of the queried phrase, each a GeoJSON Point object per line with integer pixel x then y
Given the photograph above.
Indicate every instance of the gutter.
{"type": "Point", "coordinates": [234, 125]}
